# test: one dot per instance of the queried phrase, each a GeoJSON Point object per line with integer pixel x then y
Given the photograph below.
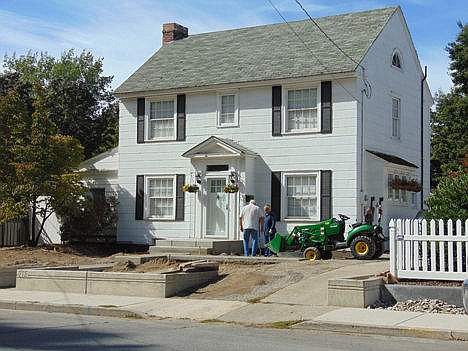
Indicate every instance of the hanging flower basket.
{"type": "Point", "coordinates": [231, 188]}
{"type": "Point", "coordinates": [409, 185]}
{"type": "Point", "coordinates": [190, 188]}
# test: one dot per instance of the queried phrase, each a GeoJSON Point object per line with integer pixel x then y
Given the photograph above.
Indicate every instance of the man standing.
{"type": "Point", "coordinates": [251, 221]}
{"type": "Point", "coordinates": [269, 227]}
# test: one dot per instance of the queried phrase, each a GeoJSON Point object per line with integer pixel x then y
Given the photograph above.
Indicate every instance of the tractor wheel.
{"type": "Point", "coordinates": [379, 248]}
{"type": "Point", "coordinates": [326, 255]}
{"type": "Point", "coordinates": [363, 248]}
{"type": "Point", "coordinates": [312, 254]}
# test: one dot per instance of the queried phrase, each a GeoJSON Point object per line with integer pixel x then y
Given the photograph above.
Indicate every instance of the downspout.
{"type": "Point", "coordinates": [422, 137]}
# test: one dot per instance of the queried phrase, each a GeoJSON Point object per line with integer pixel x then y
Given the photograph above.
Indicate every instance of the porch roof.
{"type": "Point", "coordinates": [392, 159]}
{"type": "Point", "coordinates": [218, 147]}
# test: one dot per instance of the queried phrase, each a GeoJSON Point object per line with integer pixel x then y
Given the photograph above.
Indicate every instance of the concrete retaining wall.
{"type": "Point", "coordinates": [109, 283]}
{"type": "Point", "coordinates": [354, 292]}
{"type": "Point", "coordinates": [402, 292]}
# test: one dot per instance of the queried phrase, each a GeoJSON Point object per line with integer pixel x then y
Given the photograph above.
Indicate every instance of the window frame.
{"type": "Point", "coordinates": [147, 214]}
{"type": "Point", "coordinates": [148, 118]}
{"type": "Point", "coordinates": [285, 110]}
{"type": "Point", "coordinates": [398, 98]}
{"type": "Point", "coordinates": [284, 195]}
{"type": "Point", "coordinates": [236, 109]}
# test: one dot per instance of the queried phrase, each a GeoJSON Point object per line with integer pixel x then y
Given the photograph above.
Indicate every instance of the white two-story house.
{"type": "Point", "coordinates": [311, 126]}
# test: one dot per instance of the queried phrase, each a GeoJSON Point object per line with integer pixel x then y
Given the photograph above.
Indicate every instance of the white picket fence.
{"type": "Point", "coordinates": [429, 250]}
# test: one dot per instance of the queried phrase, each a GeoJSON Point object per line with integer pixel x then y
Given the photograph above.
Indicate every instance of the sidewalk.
{"type": "Point", "coordinates": [323, 318]}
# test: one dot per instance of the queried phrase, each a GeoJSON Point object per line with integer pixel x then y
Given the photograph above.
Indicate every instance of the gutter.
{"type": "Point", "coordinates": [422, 136]}
{"type": "Point", "coordinates": [235, 85]}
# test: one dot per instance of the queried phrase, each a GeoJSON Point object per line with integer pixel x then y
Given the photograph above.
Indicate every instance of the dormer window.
{"type": "Point", "coordinates": [396, 59]}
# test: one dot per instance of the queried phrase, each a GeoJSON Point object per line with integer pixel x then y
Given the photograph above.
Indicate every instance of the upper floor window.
{"type": "Point", "coordinates": [396, 118]}
{"type": "Point", "coordinates": [396, 59]}
{"type": "Point", "coordinates": [228, 111]}
{"type": "Point", "coordinates": [161, 123]}
{"type": "Point", "coordinates": [302, 111]}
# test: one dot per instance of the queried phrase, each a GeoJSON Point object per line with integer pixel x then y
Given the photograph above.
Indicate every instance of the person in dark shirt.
{"type": "Point", "coordinates": [269, 227]}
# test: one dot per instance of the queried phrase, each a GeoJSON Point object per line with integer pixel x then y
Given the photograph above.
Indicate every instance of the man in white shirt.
{"type": "Point", "coordinates": [251, 221]}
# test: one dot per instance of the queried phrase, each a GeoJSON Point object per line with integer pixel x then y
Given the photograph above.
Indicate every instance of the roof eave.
{"type": "Point", "coordinates": [249, 84]}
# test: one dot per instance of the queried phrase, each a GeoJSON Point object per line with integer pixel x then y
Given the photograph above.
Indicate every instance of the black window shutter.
{"type": "Point", "coordinates": [325, 195]}
{"type": "Point", "coordinates": [276, 93]}
{"type": "Point", "coordinates": [140, 120]}
{"type": "Point", "coordinates": [181, 117]}
{"type": "Point", "coordinates": [139, 197]}
{"type": "Point", "coordinates": [180, 197]}
{"type": "Point", "coordinates": [276, 194]}
{"type": "Point", "coordinates": [326, 106]}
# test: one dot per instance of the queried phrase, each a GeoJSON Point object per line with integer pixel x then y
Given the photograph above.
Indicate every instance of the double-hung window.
{"type": "Point", "coordinates": [161, 197]}
{"type": "Point", "coordinates": [396, 118]}
{"type": "Point", "coordinates": [161, 123]}
{"type": "Point", "coordinates": [227, 111]}
{"type": "Point", "coordinates": [302, 111]}
{"type": "Point", "coordinates": [302, 196]}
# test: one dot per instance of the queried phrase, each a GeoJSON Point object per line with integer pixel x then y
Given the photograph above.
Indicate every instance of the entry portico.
{"type": "Point", "coordinates": [216, 163]}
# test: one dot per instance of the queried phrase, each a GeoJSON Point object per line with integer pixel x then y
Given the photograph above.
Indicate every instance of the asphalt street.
{"type": "Point", "coordinates": [21, 330]}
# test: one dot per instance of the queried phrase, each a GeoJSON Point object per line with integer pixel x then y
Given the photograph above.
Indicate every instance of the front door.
{"type": "Point", "coordinates": [217, 208]}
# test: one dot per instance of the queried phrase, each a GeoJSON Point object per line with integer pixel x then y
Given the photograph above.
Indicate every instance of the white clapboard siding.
{"type": "Point", "coordinates": [429, 250]}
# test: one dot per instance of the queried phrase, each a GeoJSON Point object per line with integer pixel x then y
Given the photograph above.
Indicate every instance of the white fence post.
{"type": "Point", "coordinates": [422, 251]}
{"type": "Point", "coordinates": [393, 252]}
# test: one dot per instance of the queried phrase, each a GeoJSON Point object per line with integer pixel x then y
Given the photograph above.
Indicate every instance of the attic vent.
{"type": "Point", "coordinates": [396, 59]}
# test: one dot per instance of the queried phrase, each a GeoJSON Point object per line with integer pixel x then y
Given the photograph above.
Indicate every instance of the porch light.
{"type": "Point", "coordinates": [198, 177]}
{"type": "Point", "coordinates": [233, 176]}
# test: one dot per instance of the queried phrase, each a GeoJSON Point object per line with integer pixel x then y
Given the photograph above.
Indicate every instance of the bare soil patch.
{"type": "Point", "coordinates": [50, 256]}
{"type": "Point", "coordinates": [153, 266]}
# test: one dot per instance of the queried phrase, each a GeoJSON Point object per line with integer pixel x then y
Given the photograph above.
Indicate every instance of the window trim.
{"type": "Point", "coordinates": [400, 56]}
{"type": "Point", "coordinates": [148, 118]}
{"type": "Point", "coordinates": [395, 97]}
{"type": "Point", "coordinates": [147, 198]}
{"type": "Point", "coordinates": [219, 97]}
{"type": "Point", "coordinates": [284, 195]}
{"type": "Point", "coordinates": [284, 108]}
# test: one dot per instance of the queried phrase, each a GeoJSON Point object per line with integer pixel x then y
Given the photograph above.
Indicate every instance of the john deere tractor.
{"type": "Point", "coordinates": [317, 241]}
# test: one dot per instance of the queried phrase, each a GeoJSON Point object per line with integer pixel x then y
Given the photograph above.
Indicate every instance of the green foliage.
{"type": "Point", "coordinates": [89, 217]}
{"type": "Point", "coordinates": [450, 131]}
{"type": "Point", "coordinates": [37, 165]}
{"type": "Point", "coordinates": [77, 96]}
{"type": "Point", "coordinates": [458, 53]}
{"type": "Point", "coordinates": [449, 121]}
{"type": "Point", "coordinates": [450, 198]}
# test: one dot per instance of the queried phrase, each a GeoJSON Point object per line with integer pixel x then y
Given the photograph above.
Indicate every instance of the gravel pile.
{"type": "Point", "coordinates": [424, 305]}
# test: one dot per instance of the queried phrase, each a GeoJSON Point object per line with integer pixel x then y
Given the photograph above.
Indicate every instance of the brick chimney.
{"type": "Point", "coordinates": [173, 31]}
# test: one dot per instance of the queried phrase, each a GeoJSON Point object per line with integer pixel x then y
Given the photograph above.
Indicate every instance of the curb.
{"type": "Point", "coordinates": [71, 309]}
{"type": "Point", "coordinates": [382, 330]}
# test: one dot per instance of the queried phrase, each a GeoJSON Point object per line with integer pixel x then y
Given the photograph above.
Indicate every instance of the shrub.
{"type": "Point", "coordinates": [91, 220]}
{"type": "Point", "coordinates": [450, 199]}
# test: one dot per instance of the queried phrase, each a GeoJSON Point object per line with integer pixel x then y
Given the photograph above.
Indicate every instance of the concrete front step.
{"type": "Point", "coordinates": [204, 245]}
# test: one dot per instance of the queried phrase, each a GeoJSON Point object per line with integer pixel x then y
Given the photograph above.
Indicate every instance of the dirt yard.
{"type": "Point", "coordinates": [50, 256]}
{"type": "Point", "coordinates": [240, 281]}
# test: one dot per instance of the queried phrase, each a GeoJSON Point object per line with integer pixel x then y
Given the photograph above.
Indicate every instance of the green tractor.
{"type": "Point", "coordinates": [317, 241]}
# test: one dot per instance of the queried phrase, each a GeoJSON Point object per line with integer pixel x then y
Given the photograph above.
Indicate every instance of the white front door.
{"type": "Point", "coordinates": [217, 208]}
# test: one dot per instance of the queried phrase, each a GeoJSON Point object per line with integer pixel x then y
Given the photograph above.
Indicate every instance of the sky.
{"type": "Point", "coordinates": [125, 33]}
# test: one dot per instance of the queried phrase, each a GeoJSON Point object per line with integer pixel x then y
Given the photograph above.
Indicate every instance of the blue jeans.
{"type": "Point", "coordinates": [250, 233]}
{"type": "Point", "coordinates": [267, 240]}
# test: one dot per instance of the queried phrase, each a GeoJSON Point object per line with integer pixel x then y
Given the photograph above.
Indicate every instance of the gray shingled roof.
{"type": "Point", "coordinates": [260, 53]}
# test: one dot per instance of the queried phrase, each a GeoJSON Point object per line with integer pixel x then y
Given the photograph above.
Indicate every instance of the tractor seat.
{"type": "Point", "coordinates": [356, 225]}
